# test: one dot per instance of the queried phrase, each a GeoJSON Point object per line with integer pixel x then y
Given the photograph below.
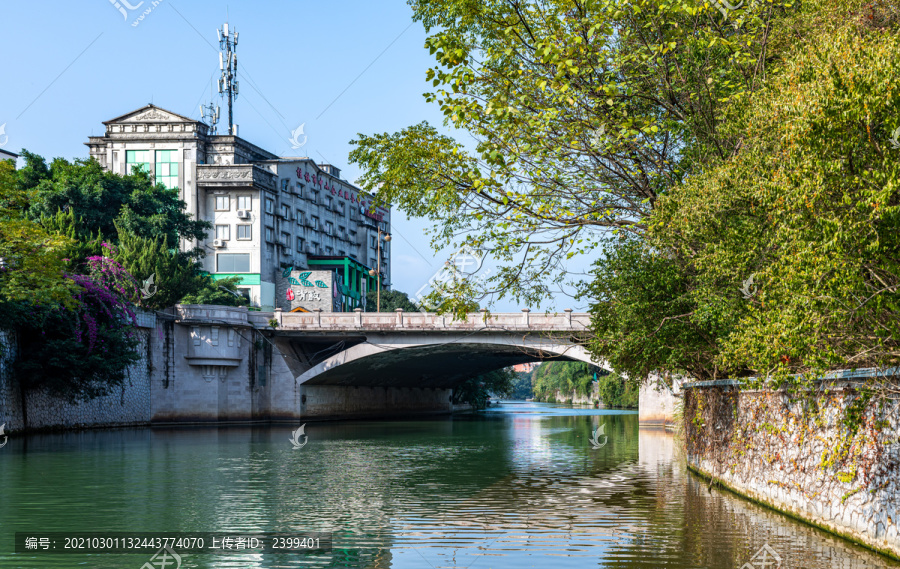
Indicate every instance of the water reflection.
{"type": "Point", "coordinates": [519, 486]}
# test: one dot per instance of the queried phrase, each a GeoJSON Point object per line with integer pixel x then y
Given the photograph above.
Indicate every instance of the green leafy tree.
{"type": "Point", "coordinates": [617, 392]}
{"type": "Point", "coordinates": [477, 390]}
{"type": "Point", "coordinates": [32, 258]}
{"type": "Point", "coordinates": [583, 114]}
{"type": "Point", "coordinates": [565, 377]}
{"type": "Point", "coordinates": [223, 292]}
{"type": "Point", "coordinates": [521, 389]}
{"type": "Point", "coordinates": [102, 200]}
{"type": "Point", "coordinates": [169, 274]}
{"type": "Point", "coordinates": [390, 301]}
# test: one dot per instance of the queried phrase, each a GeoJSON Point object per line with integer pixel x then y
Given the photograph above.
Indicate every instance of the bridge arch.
{"type": "Point", "coordinates": [435, 361]}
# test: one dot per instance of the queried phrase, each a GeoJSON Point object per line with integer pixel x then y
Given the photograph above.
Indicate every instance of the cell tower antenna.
{"type": "Point", "coordinates": [210, 115]}
{"type": "Point", "coordinates": [228, 84]}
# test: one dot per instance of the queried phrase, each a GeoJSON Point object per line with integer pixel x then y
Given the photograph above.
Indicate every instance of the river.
{"type": "Point", "coordinates": [515, 487]}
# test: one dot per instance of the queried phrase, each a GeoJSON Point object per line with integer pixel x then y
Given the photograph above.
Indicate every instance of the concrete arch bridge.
{"type": "Point", "coordinates": [228, 364]}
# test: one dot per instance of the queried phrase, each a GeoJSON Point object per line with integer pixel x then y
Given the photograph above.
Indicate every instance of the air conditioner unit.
{"type": "Point", "coordinates": [219, 243]}
{"type": "Point", "coordinates": [243, 214]}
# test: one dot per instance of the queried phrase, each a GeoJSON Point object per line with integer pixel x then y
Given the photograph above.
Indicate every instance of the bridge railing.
{"type": "Point", "coordinates": [566, 320]}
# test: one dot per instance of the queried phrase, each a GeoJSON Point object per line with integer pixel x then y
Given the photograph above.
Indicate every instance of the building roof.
{"type": "Point", "coordinates": [7, 152]}
{"type": "Point", "coordinates": [149, 108]}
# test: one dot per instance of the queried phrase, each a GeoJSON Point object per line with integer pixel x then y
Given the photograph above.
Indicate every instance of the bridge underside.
{"type": "Point", "coordinates": [404, 361]}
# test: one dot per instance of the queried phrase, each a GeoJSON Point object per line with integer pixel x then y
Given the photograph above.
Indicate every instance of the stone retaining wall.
{"type": "Point", "coordinates": [125, 406]}
{"type": "Point", "coordinates": [831, 459]}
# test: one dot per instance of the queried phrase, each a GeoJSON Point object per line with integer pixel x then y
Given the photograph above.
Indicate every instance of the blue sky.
{"type": "Point", "coordinates": [338, 68]}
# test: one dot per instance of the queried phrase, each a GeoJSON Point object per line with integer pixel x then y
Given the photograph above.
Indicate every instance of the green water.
{"type": "Point", "coordinates": [519, 486]}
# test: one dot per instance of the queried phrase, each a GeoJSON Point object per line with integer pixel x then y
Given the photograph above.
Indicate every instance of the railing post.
{"type": "Point", "coordinates": [569, 316]}
{"type": "Point", "coordinates": [525, 316]}
{"type": "Point", "coordinates": [278, 313]}
{"type": "Point", "coordinates": [484, 317]}
{"type": "Point", "coordinates": [319, 317]}
{"type": "Point", "coordinates": [358, 312]}
{"type": "Point", "coordinates": [399, 312]}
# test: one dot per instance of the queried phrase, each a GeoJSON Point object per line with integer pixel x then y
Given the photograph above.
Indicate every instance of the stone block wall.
{"type": "Point", "coordinates": [127, 405]}
{"type": "Point", "coordinates": [831, 458]}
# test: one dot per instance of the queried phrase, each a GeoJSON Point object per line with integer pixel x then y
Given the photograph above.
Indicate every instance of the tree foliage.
{"type": "Point", "coordinates": [583, 114]}
{"type": "Point", "coordinates": [563, 377]}
{"type": "Point", "coordinates": [477, 390]}
{"type": "Point", "coordinates": [390, 301]}
{"type": "Point", "coordinates": [223, 292]}
{"type": "Point", "coordinates": [782, 258]}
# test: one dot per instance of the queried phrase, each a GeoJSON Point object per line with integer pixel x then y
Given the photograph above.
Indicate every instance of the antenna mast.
{"type": "Point", "coordinates": [228, 84]}
{"type": "Point", "coordinates": [210, 115]}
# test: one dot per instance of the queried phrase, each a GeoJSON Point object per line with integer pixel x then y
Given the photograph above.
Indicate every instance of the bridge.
{"type": "Point", "coordinates": [288, 365]}
{"type": "Point", "coordinates": [414, 349]}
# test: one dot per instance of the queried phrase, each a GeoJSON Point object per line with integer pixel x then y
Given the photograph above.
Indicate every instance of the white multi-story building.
{"type": "Point", "coordinates": [268, 213]}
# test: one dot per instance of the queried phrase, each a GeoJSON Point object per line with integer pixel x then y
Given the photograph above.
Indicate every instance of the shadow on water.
{"type": "Point", "coordinates": [517, 486]}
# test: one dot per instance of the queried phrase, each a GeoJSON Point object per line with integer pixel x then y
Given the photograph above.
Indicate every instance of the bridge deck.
{"type": "Point", "coordinates": [419, 321]}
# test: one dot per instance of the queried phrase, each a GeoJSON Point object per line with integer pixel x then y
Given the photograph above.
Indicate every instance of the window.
{"type": "Point", "coordinates": [372, 263]}
{"type": "Point", "coordinates": [244, 232]}
{"type": "Point", "coordinates": [328, 202]}
{"type": "Point", "coordinates": [342, 253]}
{"type": "Point", "coordinates": [315, 222]}
{"type": "Point", "coordinates": [270, 251]}
{"type": "Point", "coordinates": [223, 203]}
{"type": "Point", "coordinates": [300, 244]}
{"type": "Point", "coordinates": [299, 217]}
{"type": "Point", "coordinates": [245, 202]}
{"type": "Point", "coordinates": [167, 168]}
{"type": "Point", "coordinates": [270, 206]}
{"type": "Point", "coordinates": [270, 235]}
{"type": "Point", "coordinates": [223, 232]}
{"type": "Point", "coordinates": [245, 292]}
{"type": "Point", "coordinates": [329, 228]}
{"type": "Point", "coordinates": [372, 241]}
{"type": "Point", "coordinates": [233, 263]}
{"type": "Point", "coordinates": [315, 248]}
{"type": "Point", "coordinates": [137, 158]}
{"type": "Point", "coordinates": [286, 239]}
{"type": "Point", "coordinates": [285, 185]}
{"type": "Point", "coordinates": [329, 251]}
{"type": "Point", "coordinates": [285, 211]}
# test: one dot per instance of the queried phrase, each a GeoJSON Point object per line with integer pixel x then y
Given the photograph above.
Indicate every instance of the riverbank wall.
{"type": "Point", "coordinates": [656, 404]}
{"type": "Point", "coordinates": [212, 369]}
{"type": "Point", "coordinates": [830, 458]}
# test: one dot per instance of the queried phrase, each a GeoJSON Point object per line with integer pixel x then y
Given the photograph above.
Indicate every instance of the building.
{"type": "Point", "coordinates": [269, 213]}
{"type": "Point", "coordinates": [6, 155]}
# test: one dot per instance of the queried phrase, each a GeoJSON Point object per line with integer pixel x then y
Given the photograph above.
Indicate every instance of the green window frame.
{"type": "Point", "coordinates": [137, 158]}
{"type": "Point", "coordinates": [167, 168]}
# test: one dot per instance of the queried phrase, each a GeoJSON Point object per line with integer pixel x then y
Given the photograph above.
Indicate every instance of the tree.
{"type": "Point", "coordinates": [477, 390]}
{"type": "Point", "coordinates": [390, 301]}
{"type": "Point", "coordinates": [522, 386]}
{"type": "Point", "coordinates": [616, 391]}
{"type": "Point", "coordinates": [223, 292]}
{"type": "Point", "coordinates": [32, 258]}
{"type": "Point", "coordinates": [84, 352]}
{"type": "Point", "coordinates": [781, 258]}
{"type": "Point", "coordinates": [170, 274]}
{"type": "Point", "coordinates": [584, 114]}
{"type": "Point", "coordinates": [565, 377]}
{"type": "Point", "coordinates": [102, 200]}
